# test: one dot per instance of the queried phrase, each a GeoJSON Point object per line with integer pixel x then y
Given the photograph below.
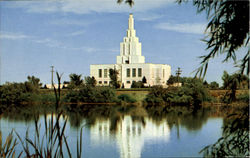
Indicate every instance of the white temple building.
{"type": "Point", "coordinates": [131, 64]}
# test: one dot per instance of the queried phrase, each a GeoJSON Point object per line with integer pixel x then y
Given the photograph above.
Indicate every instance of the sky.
{"type": "Point", "coordinates": [73, 34]}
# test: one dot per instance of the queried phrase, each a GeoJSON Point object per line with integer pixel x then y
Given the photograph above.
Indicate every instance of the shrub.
{"type": "Point", "coordinates": [137, 84]}
{"type": "Point", "coordinates": [243, 97]}
{"type": "Point", "coordinates": [127, 98]}
{"type": "Point", "coordinates": [192, 92]}
{"type": "Point", "coordinates": [156, 95]}
{"type": "Point", "coordinates": [90, 94]}
{"type": "Point", "coordinates": [12, 93]}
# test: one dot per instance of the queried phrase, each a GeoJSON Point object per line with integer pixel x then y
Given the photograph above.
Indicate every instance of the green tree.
{"type": "Point", "coordinates": [33, 84]}
{"type": "Point", "coordinates": [214, 85]}
{"type": "Point", "coordinates": [113, 75]}
{"type": "Point", "coordinates": [75, 80]}
{"type": "Point", "coordinates": [226, 79]}
{"type": "Point", "coordinates": [172, 79]}
{"type": "Point", "coordinates": [137, 84]}
{"type": "Point", "coordinates": [233, 82]}
{"type": "Point", "coordinates": [205, 84]}
{"type": "Point", "coordinates": [90, 81]}
{"type": "Point", "coordinates": [34, 81]}
{"type": "Point", "coordinates": [144, 80]}
{"type": "Point", "coordinates": [178, 73]}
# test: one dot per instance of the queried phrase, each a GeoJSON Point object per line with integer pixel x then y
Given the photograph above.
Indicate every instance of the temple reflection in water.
{"type": "Point", "coordinates": [129, 134]}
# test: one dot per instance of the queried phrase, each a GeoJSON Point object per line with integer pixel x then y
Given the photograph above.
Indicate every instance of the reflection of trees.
{"type": "Point", "coordinates": [25, 113]}
{"type": "Point", "coordinates": [175, 116]}
{"type": "Point", "coordinates": [179, 115]}
{"type": "Point", "coordinates": [194, 121]}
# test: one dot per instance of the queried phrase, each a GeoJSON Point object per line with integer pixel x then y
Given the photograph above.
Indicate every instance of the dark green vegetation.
{"type": "Point", "coordinates": [88, 94]}
{"type": "Point", "coordinates": [113, 75]}
{"type": "Point", "coordinates": [232, 83]}
{"type": "Point", "coordinates": [14, 93]}
{"type": "Point", "coordinates": [75, 81]}
{"type": "Point", "coordinates": [192, 92]}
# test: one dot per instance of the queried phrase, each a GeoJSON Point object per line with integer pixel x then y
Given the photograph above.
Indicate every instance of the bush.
{"type": "Point", "coordinates": [127, 98]}
{"type": "Point", "coordinates": [13, 93]}
{"type": "Point", "coordinates": [243, 97]}
{"type": "Point", "coordinates": [156, 95]}
{"type": "Point", "coordinates": [90, 94]}
{"type": "Point", "coordinates": [137, 84]}
{"type": "Point", "coordinates": [192, 92]}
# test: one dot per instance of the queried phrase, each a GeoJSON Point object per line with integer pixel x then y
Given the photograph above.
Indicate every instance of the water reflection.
{"type": "Point", "coordinates": [130, 133]}
{"type": "Point", "coordinates": [129, 128]}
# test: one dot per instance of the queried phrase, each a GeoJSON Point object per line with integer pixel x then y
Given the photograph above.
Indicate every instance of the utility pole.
{"type": "Point", "coordinates": [52, 72]}
{"type": "Point", "coordinates": [178, 73]}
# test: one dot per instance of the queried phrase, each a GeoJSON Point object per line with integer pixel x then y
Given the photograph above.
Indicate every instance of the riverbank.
{"type": "Point", "coordinates": [193, 92]}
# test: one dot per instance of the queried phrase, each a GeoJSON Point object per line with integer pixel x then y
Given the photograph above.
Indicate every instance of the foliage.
{"type": "Point", "coordinates": [129, 2]}
{"type": "Point", "coordinates": [113, 75]}
{"type": "Point", "coordinates": [75, 81]}
{"type": "Point", "coordinates": [195, 88]}
{"type": "Point", "coordinates": [234, 82]}
{"type": "Point", "coordinates": [205, 83]}
{"type": "Point", "coordinates": [127, 98]}
{"type": "Point", "coordinates": [156, 95]}
{"type": "Point", "coordinates": [228, 30]}
{"type": "Point", "coordinates": [144, 80]}
{"type": "Point", "coordinates": [172, 79]}
{"type": "Point", "coordinates": [90, 81]}
{"type": "Point", "coordinates": [192, 92]}
{"type": "Point", "coordinates": [138, 84]}
{"type": "Point", "coordinates": [89, 94]}
{"type": "Point", "coordinates": [243, 97]}
{"type": "Point", "coordinates": [7, 147]}
{"type": "Point", "coordinates": [11, 93]}
{"type": "Point", "coordinates": [235, 139]}
{"type": "Point", "coordinates": [34, 81]}
{"type": "Point", "coordinates": [214, 85]}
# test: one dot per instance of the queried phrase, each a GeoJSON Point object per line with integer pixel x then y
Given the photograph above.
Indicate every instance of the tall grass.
{"type": "Point", "coordinates": [7, 148]}
{"type": "Point", "coordinates": [51, 143]}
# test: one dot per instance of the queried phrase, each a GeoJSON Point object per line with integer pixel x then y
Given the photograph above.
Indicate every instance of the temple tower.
{"type": "Point", "coordinates": [130, 48]}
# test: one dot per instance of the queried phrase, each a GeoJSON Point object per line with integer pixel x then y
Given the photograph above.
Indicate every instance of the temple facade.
{"type": "Point", "coordinates": [131, 65]}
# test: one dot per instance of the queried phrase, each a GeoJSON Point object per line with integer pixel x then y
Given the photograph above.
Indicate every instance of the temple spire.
{"type": "Point", "coordinates": [131, 22]}
{"type": "Point", "coordinates": [130, 48]}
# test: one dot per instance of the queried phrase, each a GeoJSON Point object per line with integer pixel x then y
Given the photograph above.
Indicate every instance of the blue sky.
{"type": "Point", "coordinates": [72, 34]}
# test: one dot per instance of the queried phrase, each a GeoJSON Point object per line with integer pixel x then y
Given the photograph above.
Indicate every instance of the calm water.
{"type": "Point", "coordinates": [125, 132]}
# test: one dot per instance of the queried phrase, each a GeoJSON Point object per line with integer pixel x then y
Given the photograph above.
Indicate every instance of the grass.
{"type": "Point", "coordinates": [7, 148]}
{"type": "Point", "coordinates": [137, 95]}
{"type": "Point", "coordinates": [49, 144]}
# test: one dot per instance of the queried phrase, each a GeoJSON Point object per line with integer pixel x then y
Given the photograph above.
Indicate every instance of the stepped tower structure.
{"type": "Point", "coordinates": [130, 48]}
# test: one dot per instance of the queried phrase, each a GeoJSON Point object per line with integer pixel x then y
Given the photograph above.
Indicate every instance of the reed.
{"type": "Point", "coordinates": [49, 144]}
{"type": "Point", "coordinates": [7, 148]}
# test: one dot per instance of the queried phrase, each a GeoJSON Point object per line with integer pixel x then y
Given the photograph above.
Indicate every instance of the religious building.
{"type": "Point", "coordinates": [131, 65]}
